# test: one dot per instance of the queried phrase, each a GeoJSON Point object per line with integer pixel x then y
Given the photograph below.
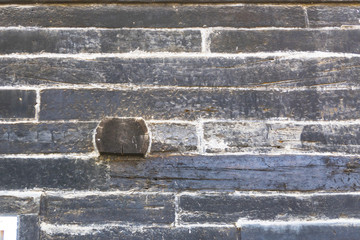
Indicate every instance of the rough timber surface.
{"type": "Point", "coordinates": [246, 172]}
{"type": "Point", "coordinates": [152, 15]}
{"type": "Point", "coordinates": [192, 104]}
{"type": "Point", "coordinates": [130, 208]}
{"type": "Point", "coordinates": [179, 233]}
{"type": "Point", "coordinates": [51, 173]}
{"type": "Point", "coordinates": [202, 71]}
{"type": "Point", "coordinates": [225, 208]}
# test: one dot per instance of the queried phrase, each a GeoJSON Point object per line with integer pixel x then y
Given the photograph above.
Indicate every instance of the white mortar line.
{"type": "Point", "coordinates": [306, 17]}
{"type": "Point", "coordinates": [81, 194]}
{"type": "Point", "coordinates": [204, 121]}
{"type": "Point", "coordinates": [33, 121]}
{"type": "Point", "coordinates": [298, 222]}
{"type": "Point", "coordinates": [165, 29]}
{"type": "Point", "coordinates": [200, 136]}
{"type": "Point", "coordinates": [283, 153]}
{"type": "Point", "coordinates": [297, 194]}
{"type": "Point", "coordinates": [37, 105]}
{"type": "Point", "coordinates": [91, 155]}
{"type": "Point", "coordinates": [293, 194]}
{"type": "Point", "coordinates": [199, 193]}
{"type": "Point", "coordinates": [303, 55]}
{"type": "Point", "coordinates": [177, 209]}
{"type": "Point", "coordinates": [148, 151]}
{"type": "Point", "coordinates": [205, 40]}
{"type": "Point", "coordinates": [173, 154]}
{"type": "Point", "coordinates": [87, 193]}
{"type": "Point", "coordinates": [68, 194]}
{"type": "Point", "coordinates": [20, 121]}
{"type": "Point", "coordinates": [204, 225]}
{"type": "Point", "coordinates": [22, 193]}
{"type": "Point", "coordinates": [53, 229]}
{"type": "Point", "coordinates": [96, 151]}
{"type": "Point", "coordinates": [287, 121]}
{"type": "Point", "coordinates": [83, 156]}
{"type": "Point", "coordinates": [151, 121]}
{"type": "Point", "coordinates": [128, 87]}
{"type": "Point", "coordinates": [21, 87]}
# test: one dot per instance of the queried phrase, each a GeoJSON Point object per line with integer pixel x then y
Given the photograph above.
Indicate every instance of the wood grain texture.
{"type": "Point", "coordinates": [97, 41]}
{"type": "Point", "coordinates": [236, 41]}
{"type": "Point", "coordinates": [285, 172]}
{"type": "Point", "coordinates": [122, 136]}
{"type": "Point", "coordinates": [152, 15]}
{"type": "Point", "coordinates": [17, 104]}
{"type": "Point", "coordinates": [192, 104]}
{"type": "Point", "coordinates": [251, 72]}
{"type": "Point", "coordinates": [225, 208]}
{"type": "Point", "coordinates": [129, 208]}
{"type": "Point", "coordinates": [32, 138]}
{"type": "Point", "coordinates": [179, 233]}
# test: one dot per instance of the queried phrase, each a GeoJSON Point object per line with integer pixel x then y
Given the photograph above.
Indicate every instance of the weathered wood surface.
{"type": "Point", "coordinates": [30, 138]}
{"type": "Point", "coordinates": [326, 231]}
{"type": "Point", "coordinates": [228, 208]}
{"type": "Point", "coordinates": [333, 15]}
{"type": "Point", "coordinates": [17, 104]}
{"type": "Point", "coordinates": [173, 137]}
{"type": "Point", "coordinates": [12, 205]}
{"type": "Point", "coordinates": [201, 71]}
{"type": "Point", "coordinates": [92, 209]}
{"type": "Point", "coordinates": [236, 41]}
{"type": "Point", "coordinates": [262, 137]}
{"type": "Point", "coordinates": [152, 16]}
{"type": "Point", "coordinates": [127, 136]}
{"type": "Point", "coordinates": [97, 41]}
{"type": "Point", "coordinates": [51, 173]}
{"type": "Point", "coordinates": [179, 233]}
{"type": "Point", "coordinates": [191, 104]}
{"type": "Point", "coordinates": [28, 227]}
{"type": "Point", "coordinates": [286, 172]}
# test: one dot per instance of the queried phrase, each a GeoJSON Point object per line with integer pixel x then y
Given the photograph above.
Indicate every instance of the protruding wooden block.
{"type": "Point", "coordinates": [123, 136]}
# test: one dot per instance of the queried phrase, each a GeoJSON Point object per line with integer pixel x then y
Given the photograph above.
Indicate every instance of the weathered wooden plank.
{"type": "Point", "coordinates": [17, 104]}
{"type": "Point", "coordinates": [130, 208]}
{"type": "Point", "coordinates": [179, 233]}
{"type": "Point", "coordinates": [200, 71]}
{"type": "Point", "coordinates": [333, 16]}
{"type": "Point", "coordinates": [190, 104]}
{"type": "Point", "coordinates": [326, 231]}
{"type": "Point", "coordinates": [18, 205]}
{"type": "Point", "coordinates": [26, 138]}
{"type": "Point", "coordinates": [173, 137]}
{"type": "Point", "coordinates": [46, 138]}
{"type": "Point", "coordinates": [262, 137]}
{"type": "Point", "coordinates": [38, 40]}
{"type": "Point", "coordinates": [59, 173]}
{"type": "Point", "coordinates": [121, 136]}
{"type": "Point", "coordinates": [285, 172]}
{"type": "Point", "coordinates": [331, 138]}
{"type": "Point", "coordinates": [228, 208]}
{"type": "Point", "coordinates": [28, 227]}
{"type": "Point", "coordinates": [154, 16]}
{"type": "Point", "coordinates": [234, 41]}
